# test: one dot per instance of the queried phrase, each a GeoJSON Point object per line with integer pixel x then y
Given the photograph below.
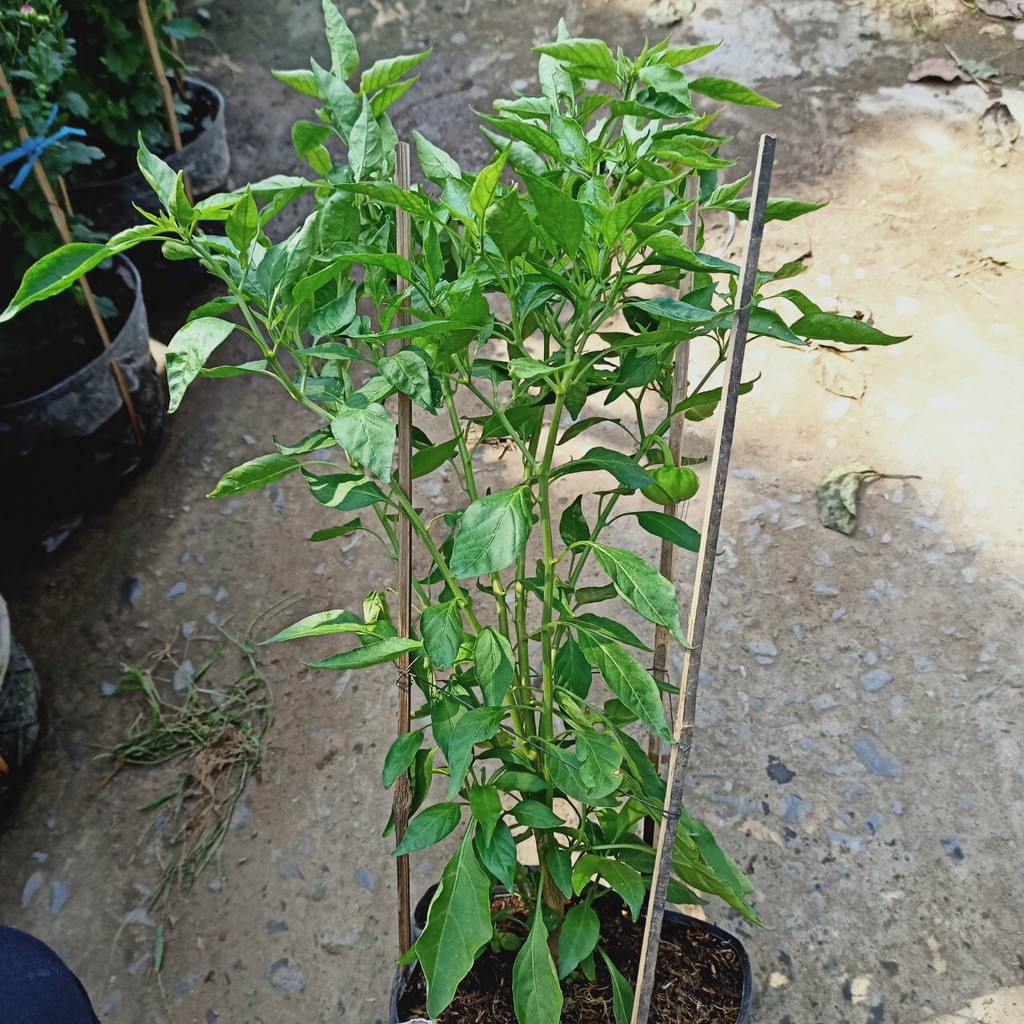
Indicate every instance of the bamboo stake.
{"type": "Point", "coordinates": [667, 562]}
{"type": "Point", "coordinates": [165, 87]}
{"type": "Point", "coordinates": [60, 220]}
{"type": "Point", "coordinates": [403, 792]}
{"type": "Point", "coordinates": [684, 724]}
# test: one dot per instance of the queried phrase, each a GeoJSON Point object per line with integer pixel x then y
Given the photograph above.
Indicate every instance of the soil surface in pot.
{"type": "Point", "coordinates": [51, 340]}
{"type": "Point", "coordinates": [700, 979]}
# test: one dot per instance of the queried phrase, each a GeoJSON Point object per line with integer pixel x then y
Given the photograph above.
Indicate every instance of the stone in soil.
{"type": "Point", "coordinates": [286, 976]}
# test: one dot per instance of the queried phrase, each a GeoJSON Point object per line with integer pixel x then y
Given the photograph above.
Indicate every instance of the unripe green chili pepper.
{"type": "Point", "coordinates": [672, 484]}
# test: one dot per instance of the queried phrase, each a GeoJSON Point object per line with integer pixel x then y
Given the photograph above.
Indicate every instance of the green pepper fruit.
{"type": "Point", "coordinates": [672, 484]}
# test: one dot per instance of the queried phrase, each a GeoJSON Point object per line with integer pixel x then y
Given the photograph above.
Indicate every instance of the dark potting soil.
{"type": "Point", "coordinates": [47, 342]}
{"type": "Point", "coordinates": [699, 980]}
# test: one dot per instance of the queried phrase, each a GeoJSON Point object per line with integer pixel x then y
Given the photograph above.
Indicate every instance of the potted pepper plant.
{"type": "Point", "coordinates": [542, 290]}
{"type": "Point", "coordinates": [64, 432]}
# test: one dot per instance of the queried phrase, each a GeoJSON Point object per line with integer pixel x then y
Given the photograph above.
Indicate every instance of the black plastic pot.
{"type": "Point", "coordinates": [65, 446]}
{"type": "Point", "coordinates": [21, 715]}
{"type": "Point", "coordinates": [673, 921]}
{"type": "Point", "coordinates": [110, 205]}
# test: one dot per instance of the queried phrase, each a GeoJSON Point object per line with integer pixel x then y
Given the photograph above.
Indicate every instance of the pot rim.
{"type": "Point", "coordinates": [104, 354]}
{"type": "Point", "coordinates": [194, 83]}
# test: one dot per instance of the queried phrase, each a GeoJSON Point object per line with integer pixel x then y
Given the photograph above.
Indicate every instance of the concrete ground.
{"type": "Point", "coordinates": [859, 747]}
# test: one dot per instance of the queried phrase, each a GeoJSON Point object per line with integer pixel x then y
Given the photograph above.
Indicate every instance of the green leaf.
{"type": "Point", "coordinates": [161, 178]}
{"type": "Point", "coordinates": [485, 805]}
{"type": "Point", "coordinates": [678, 55]}
{"type": "Point", "coordinates": [494, 665]}
{"type": "Point", "coordinates": [776, 209]}
{"type": "Point", "coordinates": [726, 91]}
{"type": "Point", "coordinates": [620, 466]}
{"type": "Point", "coordinates": [492, 533]}
{"type": "Point", "coordinates": [441, 626]}
{"type": "Point", "coordinates": [600, 757]}
{"type": "Point", "coordinates": [333, 532]}
{"type": "Point", "coordinates": [243, 224]}
{"type": "Point", "coordinates": [188, 352]}
{"type": "Point", "coordinates": [345, 492]}
{"type": "Point", "coordinates": [558, 214]}
{"type": "Point", "coordinates": [427, 460]}
{"type": "Point", "coordinates": [313, 442]}
{"type": "Point", "coordinates": [54, 273]}
{"type": "Point", "coordinates": [388, 649]}
{"type": "Point", "coordinates": [344, 55]}
{"type": "Point", "coordinates": [436, 164]}
{"type": "Point", "coordinates": [559, 864]}
{"type": "Point", "coordinates": [573, 525]}
{"type": "Point", "coordinates": [623, 879]}
{"type": "Point", "coordinates": [428, 827]}
{"type": "Point", "coordinates": [223, 372]}
{"type": "Point", "coordinates": [458, 925]}
{"type": "Point", "coordinates": [400, 755]}
{"type": "Point", "coordinates": [536, 994]}
{"type": "Point", "coordinates": [642, 587]}
{"type": "Point", "coordinates": [589, 55]}
{"type": "Point", "coordinates": [578, 938]}
{"type": "Point", "coordinates": [254, 474]}
{"type": "Point", "coordinates": [300, 80]}
{"type": "Point", "coordinates": [768, 323]}
{"type": "Point", "coordinates": [571, 141]}
{"type": "Point", "coordinates": [844, 329]}
{"type": "Point", "coordinates": [627, 679]}
{"type": "Point", "coordinates": [509, 227]}
{"type": "Point", "coordinates": [669, 528]}
{"type": "Point", "coordinates": [520, 782]}
{"type": "Point", "coordinates": [307, 136]}
{"type": "Point", "coordinates": [572, 670]}
{"type": "Point", "coordinates": [365, 144]}
{"type": "Point", "coordinates": [484, 185]}
{"type": "Point", "coordinates": [622, 992]}
{"type": "Point", "coordinates": [389, 69]}
{"type": "Point", "coordinates": [837, 496]}
{"type": "Point", "coordinates": [408, 371]}
{"type": "Point", "coordinates": [368, 435]}
{"type": "Point", "coordinates": [534, 814]}
{"type": "Point", "coordinates": [474, 727]}
{"type": "Point", "coordinates": [498, 854]}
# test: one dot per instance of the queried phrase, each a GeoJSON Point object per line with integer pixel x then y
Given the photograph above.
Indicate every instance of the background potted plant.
{"type": "Point", "coordinates": [64, 431]}
{"type": "Point", "coordinates": [126, 98]}
{"type": "Point", "coordinates": [533, 287]}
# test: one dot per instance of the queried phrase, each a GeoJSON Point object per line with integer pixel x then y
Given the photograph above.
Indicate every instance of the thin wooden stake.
{"type": "Point", "coordinates": [684, 724]}
{"type": "Point", "coordinates": [403, 791]}
{"type": "Point", "coordinates": [60, 220]}
{"type": "Point", "coordinates": [146, 21]}
{"type": "Point", "coordinates": [667, 562]}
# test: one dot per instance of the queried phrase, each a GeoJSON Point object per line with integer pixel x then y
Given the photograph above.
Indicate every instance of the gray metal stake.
{"type": "Point", "coordinates": [683, 732]}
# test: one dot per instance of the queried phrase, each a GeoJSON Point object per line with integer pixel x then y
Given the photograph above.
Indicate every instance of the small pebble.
{"type": "Point", "coordinates": [290, 871]}
{"type": "Point", "coordinates": [221, 594]}
{"type": "Point", "coordinates": [39, 857]}
{"type": "Point", "coordinates": [285, 976]}
{"type": "Point", "coordinates": [876, 679]}
{"type": "Point", "coordinates": [273, 927]}
{"type": "Point", "coordinates": [177, 590]}
{"type": "Point", "coordinates": [744, 474]}
{"type": "Point", "coordinates": [32, 886]}
{"type": "Point", "coordinates": [108, 689]}
{"type": "Point", "coordinates": [187, 629]}
{"type": "Point", "coordinates": [365, 879]}
{"type": "Point", "coordinates": [952, 847]}
{"type": "Point", "coordinates": [58, 897]}
{"type": "Point", "coordinates": [765, 648]}
{"type": "Point", "coordinates": [184, 985]}
{"type": "Point", "coordinates": [878, 760]}
{"type": "Point", "coordinates": [183, 676]}
{"type": "Point", "coordinates": [824, 589]}
{"type": "Point", "coordinates": [132, 590]}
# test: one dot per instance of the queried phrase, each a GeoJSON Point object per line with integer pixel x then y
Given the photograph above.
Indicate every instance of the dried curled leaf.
{"type": "Point", "coordinates": [837, 496]}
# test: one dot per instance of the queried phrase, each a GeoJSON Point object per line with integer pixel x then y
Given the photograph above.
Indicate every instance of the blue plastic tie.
{"type": "Point", "coordinates": [32, 149]}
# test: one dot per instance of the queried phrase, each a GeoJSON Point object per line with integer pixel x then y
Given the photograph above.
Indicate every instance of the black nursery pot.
{"type": "Point", "coordinates": [65, 446]}
{"type": "Point", "coordinates": [110, 205]}
{"type": "Point", "coordinates": [674, 921]}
